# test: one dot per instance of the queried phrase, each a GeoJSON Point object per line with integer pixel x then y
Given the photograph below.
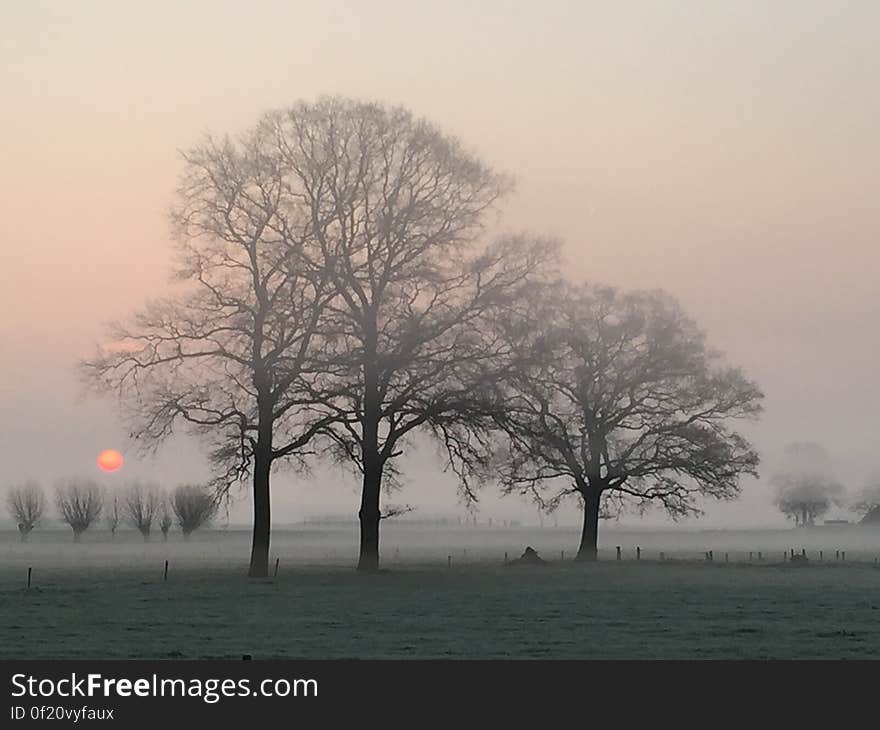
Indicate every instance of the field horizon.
{"type": "Point", "coordinates": [442, 593]}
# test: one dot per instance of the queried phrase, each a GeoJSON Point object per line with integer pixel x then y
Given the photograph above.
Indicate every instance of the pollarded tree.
{"type": "Point", "coordinates": [113, 515]}
{"type": "Point", "coordinates": [194, 506]}
{"type": "Point", "coordinates": [165, 520]}
{"type": "Point", "coordinates": [624, 403]}
{"type": "Point", "coordinates": [79, 504]}
{"type": "Point", "coordinates": [396, 209]}
{"type": "Point", "coordinates": [26, 505]}
{"type": "Point", "coordinates": [228, 358]}
{"type": "Point", "coordinates": [805, 487]}
{"type": "Point", "coordinates": [141, 504]}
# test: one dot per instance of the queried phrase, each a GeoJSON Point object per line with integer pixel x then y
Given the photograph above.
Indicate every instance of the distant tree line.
{"type": "Point", "coordinates": [342, 298]}
{"type": "Point", "coordinates": [81, 503]}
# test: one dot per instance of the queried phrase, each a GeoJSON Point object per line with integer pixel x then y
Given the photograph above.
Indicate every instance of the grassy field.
{"type": "Point", "coordinates": [107, 599]}
{"type": "Point", "coordinates": [609, 610]}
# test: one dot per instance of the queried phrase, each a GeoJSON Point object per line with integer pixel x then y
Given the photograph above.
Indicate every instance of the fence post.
{"type": "Point", "coordinates": [30, 571]}
{"type": "Point", "coordinates": [618, 552]}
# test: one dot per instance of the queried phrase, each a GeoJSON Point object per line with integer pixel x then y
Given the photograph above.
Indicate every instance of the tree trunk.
{"type": "Point", "coordinates": [259, 567]}
{"type": "Point", "coordinates": [588, 549]}
{"type": "Point", "coordinates": [369, 514]}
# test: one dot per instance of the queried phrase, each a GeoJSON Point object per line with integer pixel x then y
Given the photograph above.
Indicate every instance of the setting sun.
{"type": "Point", "coordinates": [109, 460]}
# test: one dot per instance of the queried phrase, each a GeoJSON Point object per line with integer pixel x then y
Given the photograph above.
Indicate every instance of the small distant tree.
{"type": "Point", "coordinates": [867, 502]}
{"type": "Point", "coordinates": [112, 515]}
{"type": "Point", "coordinates": [26, 505]}
{"type": "Point", "coordinates": [141, 505]}
{"type": "Point", "coordinates": [194, 506]}
{"type": "Point", "coordinates": [165, 521]}
{"type": "Point", "coordinates": [806, 488]}
{"type": "Point", "coordinates": [79, 504]}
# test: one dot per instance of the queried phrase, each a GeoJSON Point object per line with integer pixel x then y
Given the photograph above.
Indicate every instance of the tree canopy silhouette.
{"type": "Point", "coordinates": [26, 504]}
{"type": "Point", "coordinates": [193, 506]}
{"type": "Point", "coordinates": [80, 503]}
{"type": "Point", "coordinates": [229, 356]}
{"type": "Point", "coordinates": [140, 506]}
{"type": "Point", "coordinates": [622, 403]}
{"type": "Point", "coordinates": [396, 210]}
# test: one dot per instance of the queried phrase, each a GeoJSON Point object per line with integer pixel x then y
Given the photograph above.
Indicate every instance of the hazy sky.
{"type": "Point", "coordinates": [725, 151]}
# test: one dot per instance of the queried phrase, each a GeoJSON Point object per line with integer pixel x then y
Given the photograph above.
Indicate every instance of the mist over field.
{"type": "Point", "coordinates": [410, 329]}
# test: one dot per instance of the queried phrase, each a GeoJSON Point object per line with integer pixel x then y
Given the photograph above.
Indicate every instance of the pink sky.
{"type": "Point", "coordinates": [725, 151]}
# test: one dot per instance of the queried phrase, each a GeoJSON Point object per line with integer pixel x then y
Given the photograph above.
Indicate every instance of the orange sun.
{"type": "Point", "coordinates": [109, 460]}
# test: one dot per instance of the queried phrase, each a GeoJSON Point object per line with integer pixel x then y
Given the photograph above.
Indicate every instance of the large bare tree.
{"type": "Point", "coordinates": [396, 209]}
{"type": "Point", "coordinates": [337, 289]}
{"type": "Point", "coordinates": [27, 505]}
{"type": "Point", "coordinates": [622, 403]}
{"type": "Point", "coordinates": [79, 503]}
{"type": "Point", "coordinates": [227, 357]}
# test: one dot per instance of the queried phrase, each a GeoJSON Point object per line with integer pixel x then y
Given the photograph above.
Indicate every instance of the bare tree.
{"type": "Point", "coordinates": [194, 506]}
{"type": "Point", "coordinates": [112, 515]}
{"type": "Point", "coordinates": [396, 208]}
{"type": "Point", "coordinates": [805, 487]}
{"type": "Point", "coordinates": [165, 520]}
{"type": "Point", "coordinates": [141, 505]}
{"type": "Point", "coordinates": [867, 502]}
{"type": "Point", "coordinates": [229, 357]}
{"type": "Point", "coordinates": [622, 403]}
{"type": "Point", "coordinates": [80, 504]}
{"type": "Point", "coordinates": [26, 505]}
